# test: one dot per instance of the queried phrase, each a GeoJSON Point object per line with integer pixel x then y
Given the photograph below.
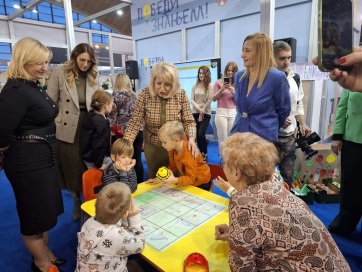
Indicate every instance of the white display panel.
{"type": "Point", "coordinates": [188, 74]}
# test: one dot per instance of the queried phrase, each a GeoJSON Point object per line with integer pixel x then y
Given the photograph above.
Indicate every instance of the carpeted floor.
{"type": "Point", "coordinates": [63, 238]}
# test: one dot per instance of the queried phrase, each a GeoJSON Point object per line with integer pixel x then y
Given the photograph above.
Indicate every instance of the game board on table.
{"type": "Point", "coordinates": [169, 214]}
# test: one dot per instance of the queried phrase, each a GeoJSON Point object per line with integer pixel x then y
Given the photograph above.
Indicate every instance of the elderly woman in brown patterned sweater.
{"type": "Point", "coordinates": [270, 228]}
{"type": "Point", "coordinates": [163, 101]}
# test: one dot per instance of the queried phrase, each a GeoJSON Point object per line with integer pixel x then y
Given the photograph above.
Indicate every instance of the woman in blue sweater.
{"type": "Point", "coordinates": [261, 91]}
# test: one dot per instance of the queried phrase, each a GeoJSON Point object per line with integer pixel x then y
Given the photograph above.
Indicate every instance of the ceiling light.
{"type": "Point", "coordinates": [16, 6]}
{"type": "Point", "coordinates": [35, 11]}
{"type": "Point", "coordinates": [119, 12]}
{"type": "Point", "coordinates": [107, 47]}
{"type": "Point", "coordinates": [96, 46]}
{"type": "Point", "coordinates": [94, 21]}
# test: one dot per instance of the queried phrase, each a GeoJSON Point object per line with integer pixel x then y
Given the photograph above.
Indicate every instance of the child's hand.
{"type": "Point", "coordinates": [133, 209]}
{"type": "Point", "coordinates": [222, 232]}
{"type": "Point", "coordinates": [132, 164]}
{"type": "Point", "coordinates": [170, 180]}
{"type": "Point", "coordinates": [124, 167]}
{"type": "Point", "coordinates": [153, 181]}
{"type": "Point", "coordinates": [222, 184]}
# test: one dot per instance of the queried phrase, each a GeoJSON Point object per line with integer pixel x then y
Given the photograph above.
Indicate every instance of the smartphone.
{"type": "Point", "coordinates": [335, 32]}
{"type": "Point", "coordinates": [227, 80]}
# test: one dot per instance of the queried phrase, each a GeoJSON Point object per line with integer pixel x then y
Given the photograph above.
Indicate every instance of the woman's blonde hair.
{"type": "Point", "coordinates": [112, 203]}
{"type": "Point", "coordinates": [167, 72]}
{"type": "Point", "coordinates": [26, 51]}
{"type": "Point", "coordinates": [71, 67]}
{"type": "Point", "coordinates": [255, 157]}
{"type": "Point", "coordinates": [264, 57]}
{"type": "Point", "coordinates": [100, 98]}
{"type": "Point", "coordinates": [122, 83]}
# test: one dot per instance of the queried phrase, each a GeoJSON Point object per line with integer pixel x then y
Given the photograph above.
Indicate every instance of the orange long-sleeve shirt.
{"type": "Point", "coordinates": [193, 171]}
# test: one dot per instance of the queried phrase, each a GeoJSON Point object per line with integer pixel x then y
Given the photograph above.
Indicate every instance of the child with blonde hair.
{"type": "Point", "coordinates": [95, 132]}
{"type": "Point", "coordinates": [105, 242]}
{"type": "Point", "coordinates": [194, 171]}
{"type": "Point", "coordinates": [122, 168]}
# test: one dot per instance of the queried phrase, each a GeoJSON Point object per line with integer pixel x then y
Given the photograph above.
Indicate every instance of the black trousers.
{"type": "Point", "coordinates": [350, 210]}
{"type": "Point", "coordinates": [201, 131]}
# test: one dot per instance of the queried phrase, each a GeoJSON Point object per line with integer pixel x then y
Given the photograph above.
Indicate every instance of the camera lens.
{"type": "Point", "coordinates": [313, 138]}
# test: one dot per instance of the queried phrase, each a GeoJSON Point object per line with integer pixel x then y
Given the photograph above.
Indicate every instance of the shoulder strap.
{"type": "Point", "coordinates": [297, 79]}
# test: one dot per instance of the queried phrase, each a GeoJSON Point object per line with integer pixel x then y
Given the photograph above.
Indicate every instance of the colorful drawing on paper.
{"type": "Point", "coordinates": [169, 214]}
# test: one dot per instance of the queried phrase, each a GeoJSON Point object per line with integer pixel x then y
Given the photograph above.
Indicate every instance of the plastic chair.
{"type": "Point", "coordinates": [91, 181]}
{"type": "Point", "coordinates": [217, 171]}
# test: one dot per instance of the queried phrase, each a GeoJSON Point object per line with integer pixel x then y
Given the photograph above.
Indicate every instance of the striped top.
{"type": "Point", "coordinates": [110, 174]}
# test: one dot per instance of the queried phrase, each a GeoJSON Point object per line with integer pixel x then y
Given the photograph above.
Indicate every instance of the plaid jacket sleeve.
{"type": "Point", "coordinates": [187, 118]}
{"type": "Point", "coordinates": [137, 120]}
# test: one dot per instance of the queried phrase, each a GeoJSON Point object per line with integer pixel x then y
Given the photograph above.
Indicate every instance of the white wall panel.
{"type": "Point", "coordinates": [122, 45]}
{"type": "Point", "coordinates": [50, 36]}
{"type": "Point", "coordinates": [233, 33]}
{"type": "Point", "coordinates": [200, 42]}
{"type": "Point", "coordinates": [294, 21]}
{"type": "Point", "coordinates": [4, 30]}
{"type": "Point", "coordinates": [81, 37]}
{"type": "Point", "coordinates": [152, 50]}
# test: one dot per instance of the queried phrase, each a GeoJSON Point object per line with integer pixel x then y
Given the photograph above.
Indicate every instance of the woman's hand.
{"type": "Point", "coordinates": [202, 111]}
{"type": "Point", "coordinates": [336, 146]}
{"type": "Point", "coordinates": [193, 147]}
{"type": "Point", "coordinates": [222, 184]}
{"type": "Point", "coordinates": [222, 232]}
{"type": "Point", "coordinates": [351, 79]}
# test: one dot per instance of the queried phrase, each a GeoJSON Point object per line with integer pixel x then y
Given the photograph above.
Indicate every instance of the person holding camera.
{"type": "Point", "coordinates": [226, 108]}
{"type": "Point", "coordinates": [283, 56]}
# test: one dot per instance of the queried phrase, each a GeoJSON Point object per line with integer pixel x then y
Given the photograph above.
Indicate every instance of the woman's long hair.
{"type": "Point", "coordinates": [264, 57]}
{"type": "Point", "coordinates": [207, 79]}
{"type": "Point", "coordinates": [71, 67]}
{"type": "Point", "coordinates": [122, 83]}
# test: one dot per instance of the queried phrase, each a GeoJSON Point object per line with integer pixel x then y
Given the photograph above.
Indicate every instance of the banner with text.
{"type": "Point", "coordinates": [155, 17]}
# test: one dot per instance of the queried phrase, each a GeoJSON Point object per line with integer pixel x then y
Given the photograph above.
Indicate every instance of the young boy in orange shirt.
{"type": "Point", "coordinates": [193, 171]}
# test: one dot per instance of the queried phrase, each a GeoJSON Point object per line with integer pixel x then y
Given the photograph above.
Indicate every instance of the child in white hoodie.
{"type": "Point", "coordinates": [105, 241]}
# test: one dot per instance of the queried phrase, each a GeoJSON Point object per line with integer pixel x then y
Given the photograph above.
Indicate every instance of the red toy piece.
{"type": "Point", "coordinates": [196, 262]}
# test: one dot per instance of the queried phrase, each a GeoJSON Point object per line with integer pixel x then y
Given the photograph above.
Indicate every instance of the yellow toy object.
{"type": "Point", "coordinates": [163, 173]}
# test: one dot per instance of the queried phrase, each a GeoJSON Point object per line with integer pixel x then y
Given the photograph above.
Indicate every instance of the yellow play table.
{"type": "Point", "coordinates": [200, 240]}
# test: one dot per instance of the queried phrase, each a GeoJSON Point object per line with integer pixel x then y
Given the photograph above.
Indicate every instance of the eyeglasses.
{"type": "Point", "coordinates": [85, 60]}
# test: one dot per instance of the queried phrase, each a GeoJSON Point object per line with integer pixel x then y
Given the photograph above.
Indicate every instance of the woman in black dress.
{"type": "Point", "coordinates": [27, 145]}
